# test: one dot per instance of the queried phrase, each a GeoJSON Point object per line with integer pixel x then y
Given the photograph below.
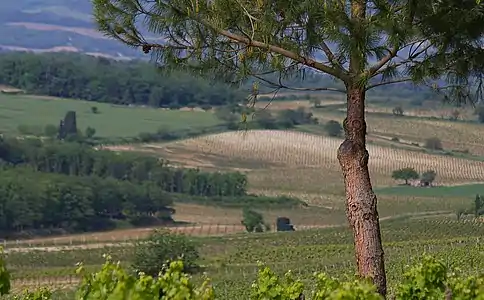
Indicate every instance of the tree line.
{"type": "Point", "coordinates": [81, 160]}
{"type": "Point", "coordinates": [99, 79]}
{"type": "Point", "coordinates": [32, 201]}
{"type": "Point", "coordinates": [54, 187]}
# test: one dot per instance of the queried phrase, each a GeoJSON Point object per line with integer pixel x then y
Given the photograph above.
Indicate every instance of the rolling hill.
{"type": "Point", "coordinates": [54, 25]}
{"type": "Point", "coordinates": [301, 160]}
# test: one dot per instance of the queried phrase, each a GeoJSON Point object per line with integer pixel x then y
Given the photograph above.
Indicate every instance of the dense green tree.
{"type": "Point", "coordinates": [361, 43]}
{"type": "Point", "coordinates": [68, 126]}
{"type": "Point", "coordinates": [478, 206]}
{"type": "Point", "coordinates": [90, 132]}
{"type": "Point", "coordinates": [405, 174]}
{"type": "Point", "coordinates": [162, 247]}
{"type": "Point", "coordinates": [398, 111]}
{"type": "Point", "coordinates": [32, 201]}
{"type": "Point", "coordinates": [298, 116]}
{"type": "Point", "coordinates": [75, 159]}
{"type": "Point", "coordinates": [333, 128]}
{"type": "Point", "coordinates": [253, 221]}
{"type": "Point", "coordinates": [433, 143]}
{"type": "Point", "coordinates": [428, 177]}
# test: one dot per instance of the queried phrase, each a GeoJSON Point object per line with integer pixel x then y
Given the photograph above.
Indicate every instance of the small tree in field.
{"type": "Point", "coordinates": [433, 143]}
{"type": "Point", "coordinates": [333, 128]}
{"type": "Point", "coordinates": [478, 206]}
{"type": "Point", "coordinates": [161, 247]}
{"type": "Point", "coordinates": [253, 221]}
{"type": "Point", "coordinates": [405, 174]}
{"type": "Point", "coordinates": [428, 177]}
{"type": "Point", "coordinates": [90, 132]}
{"type": "Point", "coordinates": [363, 44]}
{"type": "Point", "coordinates": [454, 115]}
{"type": "Point", "coordinates": [316, 102]}
{"type": "Point", "coordinates": [398, 111]}
{"type": "Point", "coordinates": [479, 111]}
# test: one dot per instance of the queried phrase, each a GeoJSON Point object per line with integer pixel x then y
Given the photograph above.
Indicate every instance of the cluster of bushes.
{"type": "Point", "coordinates": [264, 119]}
{"type": "Point", "coordinates": [169, 135]}
{"type": "Point", "coordinates": [39, 203]}
{"type": "Point", "coordinates": [406, 174]}
{"type": "Point", "coordinates": [242, 201]}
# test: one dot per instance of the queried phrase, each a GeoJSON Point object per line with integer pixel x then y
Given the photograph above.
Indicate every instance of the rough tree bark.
{"type": "Point", "coordinates": [361, 201]}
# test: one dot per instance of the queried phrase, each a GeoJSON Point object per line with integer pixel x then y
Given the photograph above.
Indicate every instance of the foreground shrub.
{"type": "Point", "coordinates": [113, 282]}
{"type": "Point", "coordinates": [429, 279]}
{"type": "Point", "coordinates": [161, 247]}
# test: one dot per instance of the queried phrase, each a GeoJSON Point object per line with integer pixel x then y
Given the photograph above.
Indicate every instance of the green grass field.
{"type": "Point", "coordinates": [464, 191]}
{"type": "Point", "coordinates": [111, 121]}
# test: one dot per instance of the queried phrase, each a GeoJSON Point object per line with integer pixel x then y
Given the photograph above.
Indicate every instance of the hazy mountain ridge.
{"type": "Point", "coordinates": [55, 25]}
{"type": "Point", "coordinates": [67, 25]}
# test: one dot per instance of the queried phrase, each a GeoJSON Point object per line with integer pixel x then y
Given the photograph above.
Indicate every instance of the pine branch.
{"type": "Point", "coordinates": [389, 82]}
{"type": "Point", "coordinates": [332, 58]}
{"type": "Point", "coordinates": [372, 71]}
{"type": "Point", "coordinates": [410, 59]}
{"type": "Point", "coordinates": [335, 72]}
{"type": "Point", "coordinates": [280, 85]}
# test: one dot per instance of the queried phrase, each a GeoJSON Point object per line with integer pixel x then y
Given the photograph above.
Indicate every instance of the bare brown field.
{"type": "Point", "coordinates": [103, 239]}
{"type": "Point", "coordinates": [305, 162]}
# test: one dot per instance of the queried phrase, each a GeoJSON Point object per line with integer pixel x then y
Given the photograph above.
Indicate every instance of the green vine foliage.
{"type": "Point", "coordinates": [430, 279]}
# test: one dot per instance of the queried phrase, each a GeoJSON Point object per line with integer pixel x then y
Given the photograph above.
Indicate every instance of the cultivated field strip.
{"type": "Point", "coordinates": [295, 149]}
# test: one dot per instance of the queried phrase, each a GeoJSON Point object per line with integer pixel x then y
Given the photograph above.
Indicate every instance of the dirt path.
{"type": "Point", "coordinates": [218, 230]}
{"type": "Point", "coordinates": [118, 236]}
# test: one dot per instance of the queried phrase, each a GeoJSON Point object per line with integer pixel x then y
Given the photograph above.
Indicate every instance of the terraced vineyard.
{"type": "Point", "coordinates": [298, 155]}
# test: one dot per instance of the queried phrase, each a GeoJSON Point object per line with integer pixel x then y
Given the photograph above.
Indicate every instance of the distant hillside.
{"type": "Point", "coordinates": [76, 76]}
{"type": "Point", "coordinates": [56, 25]}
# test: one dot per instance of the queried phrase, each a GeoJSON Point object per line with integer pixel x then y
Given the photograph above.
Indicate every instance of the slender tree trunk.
{"type": "Point", "coordinates": [361, 203]}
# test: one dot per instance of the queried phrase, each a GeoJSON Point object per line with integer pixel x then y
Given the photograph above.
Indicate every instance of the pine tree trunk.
{"type": "Point", "coordinates": [361, 202]}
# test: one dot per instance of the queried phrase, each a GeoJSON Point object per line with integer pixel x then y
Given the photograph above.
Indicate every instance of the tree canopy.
{"type": "Point", "coordinates": [405, 174]}
{"type": "Point", "coordinates": [392, 41]}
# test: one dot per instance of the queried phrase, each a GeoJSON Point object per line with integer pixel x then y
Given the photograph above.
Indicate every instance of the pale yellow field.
{"type": "Point", "coordinates": [441, 112]}
{"type": "Point", "coordinates": [454, 135]}
{"type": "Point", "coordinates": [279, 159]}
{"type": "Point", "coordinates": [281, 105]}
